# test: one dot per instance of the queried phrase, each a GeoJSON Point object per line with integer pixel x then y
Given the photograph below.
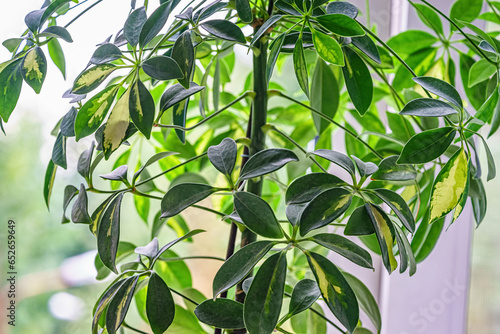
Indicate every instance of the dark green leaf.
{"type": "Point", "coordinates": [142, 108]}
{"type": "Point", "coordinates": [105, 53]}
{"type": "Point", "coordinates": [183, 196]}
{"type": "Point", "coordinates": [93, 112]}
{"type": "Point", "coordinates": [118, 306]}
{"type": "Point", "coordinates": [160, 306]}
{"type": "Point", "coordinates": [225, 30]}
{"type": "Point", "coordinates": [223, 156]}
{"type": "Point", "coordinates": [162, 68]}
{"type": "Point", "coordinates": [275, 49]}
{"type": "Point", "coordinates": [405, 252]}
{"type": "Point", "coordinates": [257, 215]}
{"type": "Point", "coordinates": [10, 88]}
{"type": "Point", "coordinates": [428, 107]}
{"type": "Point", "coordinates": [266, 161]}
{"type": "Point", "coordinates": [300, 66]}
{"type": "Point", "coordinates": [398, 205]}
{"type": "Point", "coordinates": [336, 292]}
{"type": "Point", "coordinates": [119, 174]}
{"type": "Point", "coordinates": [344, 247]}
{"type": "Point", "coordinates": [390, 171]}
{"type": "Point", "coordinates": [221, 313]}
{"type": "Point", "coordinates": [244, 10]}
{"type": "Point", "coordinates": [364, 168]}
{"type": "Point", "coordinates": [183, 54]}
{"type": "Point", "coordinates": [358, 81]}
{"type": "Point", "coordinates": [108, 235]}
{"type": "Point", "coordinates": [92, 78]}
{"type": "Point", "coordinates": [294, 211]}
{"type": "Point", "coordinates": [305, 188]}
{"type": "Point", "coordinates": [324, 94]}
{"type": "Point", "coordinates": [427, 146]}
{"type": "Point", "coordinates": [34, 19]}
{"type": "Point", "coordinates": [68, 123]}
{"type": "Point", "coordinates": [84, 161]}
{"type": "Point", "coordinates": [359, 223]}
{"type": "Point", "coordinates": [401, 127]}
{"type": "Point", "coordinates": [154, 24]}
{"type": "Point", "coordinates": [50, 176]}
{"type": "Point", "coordinates": [324, 209]}
{"type": "Point", "coordinates": [57, 55]}
{"type": "Point", "coordinates": [342, 7]}
{"type": "Point", "coordinates": [337, 158]}
{"type": "Point", "coordinates": [264, 299]}
{"type": "Point", "coordinates": [59, 151]}
{"type": "Point", "coordinates": [236, 268]}
{"type": "Point", "coordinates": [69, 193]}
{"type": "Point", "coordinates": [366, 45]}
{"type": "Point", "coordinates": [304, 295]}
{"type": "Point", "coordinates": [177, 93]}
{"type": "Point", "coordinates": [478, 199]}
{"type": "Point", "coordinates": [264, 28]}
{"type": "Point", "coordinates": [340, 24]}
{"type": "Point", "coordinates": [134, 24]}
{"type": "Point", "coordinates": [79, 212]}
{"type": "Point", "coordinates": [440, 88]}
{"type": "Point", "coordinates": [425, 238]}
{"type": "Point", "coordinates": [101, 306]}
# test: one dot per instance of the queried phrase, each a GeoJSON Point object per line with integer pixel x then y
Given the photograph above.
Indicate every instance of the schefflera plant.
{"type": "Point", "coordinates": [163, 95]}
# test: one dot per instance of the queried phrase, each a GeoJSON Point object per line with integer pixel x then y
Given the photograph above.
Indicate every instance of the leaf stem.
{"type": "Point", "coordinates": [184, 296]}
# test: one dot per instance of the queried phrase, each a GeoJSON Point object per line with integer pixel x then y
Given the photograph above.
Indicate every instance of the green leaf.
{"type": "Point", "coordinates": [105, 53]}
{"type": "Point", "coordinates": [108, 235]}
{"type": "Point", "coordinates": [344, 247]}
{"type": "Point", "coordinates": [257, 215]}
{"type": "Point", "coordinates": [50, 176]}
{"type": "Point", "coordinates": [466, 10]}
{"type": "Point", "coordinates": [225, 30]}
{"type": "Point", "coordinates": [428, 108]}
{"type": "Point", "coordinates": [300, 66]}
{"type": "Point", "coordinates": [183, 54]}
{"type": "Point", "coordinates": [305, 188]}
{"type": "Point", "coordinates": [10, 88]}
{"type": "Point", "coordinates": [492, 171]}
{"type": "Point", "coordinates": [449, 185]}
{"type": "Point", "coordinates": [177, 93]}
{"type": "Point", "coordinates": [427, 146]}
{"type": "Point", "coordinates": [358, 81]}
{"type": "Point", "coordinates": [119, 174]}
{"type": "Point", "coordinates": [115, 129]}
{"type": "Point", "coordinates": [342, 7]}
{"type": "Point", "coordinates": [59, 151]}
{"type": "Point", "coordinates": [359, 223]}
{"type": "Point", "coordinates": [401, 127]}
{"type": "Point", "coordinates": [366, 300]}
{"type": "Point", "coordinates": [364, 168]}
{"type": "Point", "coordinates": [92, 78]}
{"type": "Point", "coordinates": [275, 49]}
{"type": "Point", "coordinates": [264, 299]}
{"type": "Point", "coordinates": [118, 306]}
{"type": "Point", "coordinates": [68, 123]}
{"type": "Point", "coordinates": [154, 24]}
{"type": "Point", "coordinates": [183, 196]}
{"type": "Point", "coordinates": [411, 41]}
{"type": "Point", "coordinates": [406, 254]}
{"type": "Point", "coordinates": [478, 199]}
{"type": "Point", "coordinates": [221, 313]}
{"type": "Point", "coordinates": [328, 48]}
{"type": "Point", "coordinates": [162, 68]}
{"type": "Point", "coordinates": [142, 108]}
{"type": "Point", "coordinates": [340, 24]}
{"type": "Point", "coordinates": [12, 43]}
{"type": "Point", "coordinates": [335, 290]}
{"type": "Point", "coordinates": [324, 209]}
{"type": "Point", "coordinates": [57, 32]}
{"type": "Point", "coordinates": [384, 230]}
{"type": "Point", "coordinates": [304, 295]}
{"type": "Point", "coordinates": [160, 306]}
{"type": "Point", "coordinates": [264, 28]}
{"type": "Point", "coordinates": [34, 19]}
{"type": "Point", "coordinates": [337, 158]}
{"type": "Point", "coordinates": [69, 193]}
{"type": "Point", "coordinates": [103, 302]}
{"type": "Point", "coordinates": [223, 156]}
{"type": "Point", "coordinates": [366, 45]}
{"type": "Point", "coordinates": [324, 94]}
{"type": "Point", "coordinates": [426, 237]}
{"type": "Point", "coordinates": [391, 172]}
{"type": "Point", "coordinates": [134, 24]}
{"type": "Point", "coordinates": [440, 88]}
{"type": "Point", "coordinates": [79, 212]}
{"type": "Point", "coordinates": [429, 17]}
{"type": "Point", "coordinates": [93, 112]}
{"type": "Point", "coordinates": [266, 161]}
{"type": "Point", "coordinates": [244, 10]}
{"type": "Point", "coordinates": [236, 268]}
{"type": "Point", "coordinates": [57, 55]}
{"type": "Point", "coordinates": [398, 205]}
{"type": "Point", "coordinates": [480, 71]}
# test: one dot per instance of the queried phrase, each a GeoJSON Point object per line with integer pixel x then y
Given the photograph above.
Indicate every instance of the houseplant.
{"type": "Point", "coordinates": [169, 87]}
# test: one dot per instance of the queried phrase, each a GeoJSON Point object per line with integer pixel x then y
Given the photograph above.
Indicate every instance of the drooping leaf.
{"type": "Point", "coordinates": [244, 10]}
{"type": "Point", "coordinates": [119, 174]}
{"type": "Point", "coordinates": [134, 24]}
{"type": "Point", "coordinates": [236, 268]}
{"type": "Point", "coordinates": [263, 302]}
{"type": "Point", "coordinates": [324, 209]}
{"type": "Point", "coordinates": [92, 78]}
{"type": "Point", "coordinates": [79, 212]}
{"type": "Point", "coordinates": [478, 199]}
{"type": "Point", "coordinates": [142, 108]}
{"type": "Point", "coordinates": [108, 235]}
{"type": "Point", "coordinates": [183, 196]}
{"type": "Point", "coordinates": [449, 186]}
{"type": "Point", "coordinates": [340, 24]}
{"type": "Point", "coordinates": [267, 161]}
{"type": "Point", "coordinates": [85, 160]}
{"type": "Point", "coordinates": [427, 146]}
{"type": "Point", "coordinates": [398, 205]}
{"type": "Point", "coordinates": [426, 237]}
{"type": "Point", "coordinates": [50, 176]}
{"type": "Point", "coordinates": [10, 88]}
{"type": "Point", "coordinates": [428, 108]}
{"type": "Point", "coordinates": [177, 93]}
{"type": "Point", "coordinates": [160, 305]}
{"type": "Point", "coordinates": [115, 129]}
{"type": "Point", "coordinates": [305, 188]}
{"type": "Point", "coordinates": [154, 24]}
{"type": "Point", "coordinates": [119, 304]}
{"type": "Point", "coordinates": [300, 66]}
{"type": "Point", "coordinates": [407, 258]}
{"type": "Point", "coordinates": [162, 68]}
{"type": "Point", "coordinates": [358, 81]}
{"type": "Point", "coordinates": [68, 123]}
{"type": "Point", "coordinates": [59, 151]}
{"type": "Point", "coordinates": [183, 54]}
{"type": "Point", "coordinates": [275, 49]}
{"type": "Point", "coordinates": [57, 55]}
{"type": "Point", "coordinates": [92, 113]}
{"type": "Point", "coordinates": [364, 168]}
{"type": "Point", "coordinates": [69, 193]}
{"type": "Point", "coordinates": [324, 94]}
{"type": "Point", "coordinates": [335, 290]}
{"type": "Point", "coordinates": [223, 156]}
{"type": "Point", "coordinates": [224, 29]}
{"type": "Point", "coordinates": [101, 306]}
{"type": "Point", "coordinates": [221, 313]}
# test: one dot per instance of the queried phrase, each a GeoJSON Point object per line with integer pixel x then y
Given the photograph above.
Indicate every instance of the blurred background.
{"type": "Point", "coordinates": [56, 277]}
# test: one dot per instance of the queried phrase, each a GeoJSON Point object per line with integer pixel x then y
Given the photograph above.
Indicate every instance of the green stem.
{"type": "Point", "coordinates": [184, 296]}
{"type": "Point", "coordinates": [83, 12]}
{"type": "Point", "coordinates": [173, 259]}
